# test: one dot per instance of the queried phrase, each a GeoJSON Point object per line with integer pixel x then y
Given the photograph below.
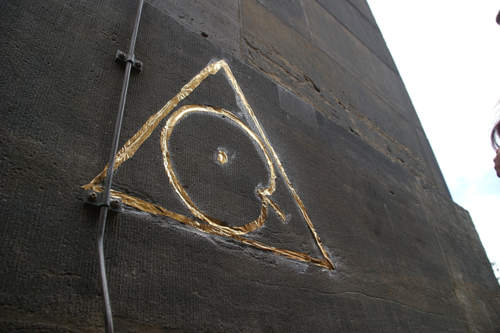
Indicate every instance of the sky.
{"type": "Point", "coordinates": [448, 55]}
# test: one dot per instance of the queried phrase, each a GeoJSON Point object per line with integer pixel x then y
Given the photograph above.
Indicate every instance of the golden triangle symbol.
{"type": "Point", "coordinates": [201, 221]}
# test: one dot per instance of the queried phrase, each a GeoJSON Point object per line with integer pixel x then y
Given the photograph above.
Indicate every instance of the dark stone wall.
{"type": "Point", "coordinates": [325, 89]}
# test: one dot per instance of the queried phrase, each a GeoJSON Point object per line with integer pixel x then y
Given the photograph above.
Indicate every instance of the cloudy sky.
{"type": "Point", "coordinates": [448, 54]}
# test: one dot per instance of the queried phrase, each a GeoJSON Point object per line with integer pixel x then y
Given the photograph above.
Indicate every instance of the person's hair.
{"type": "Point", "coordinates": [495, 132]}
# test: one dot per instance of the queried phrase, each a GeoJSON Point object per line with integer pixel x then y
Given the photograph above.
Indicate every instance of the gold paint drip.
{"type": "Point", "coordinates": [221, 157]}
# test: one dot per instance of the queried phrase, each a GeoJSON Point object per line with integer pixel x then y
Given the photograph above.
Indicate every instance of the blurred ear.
{"type": "Point", "coordinates": [495, 135]}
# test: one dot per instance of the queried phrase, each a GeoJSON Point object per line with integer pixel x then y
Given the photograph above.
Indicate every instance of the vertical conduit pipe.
{"type": "Point", "coordinates": [103, 213]}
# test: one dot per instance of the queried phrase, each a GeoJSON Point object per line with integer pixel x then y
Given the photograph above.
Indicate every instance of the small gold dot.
{"type": "Point", "coordinates": [221, 157]}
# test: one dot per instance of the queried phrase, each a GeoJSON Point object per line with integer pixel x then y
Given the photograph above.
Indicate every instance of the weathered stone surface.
{"type": "Point", "coordinates": [361, 24]}
{"type": "Point", "coordinates": [363, 8]}
{"type": "Point", "coordinates": [216, 20]}
{"type": "Point", "coordinates": [291, 12]}
{"type": "Point", "coordinates": [466, 262]}
{"type": "Point", "coordinates": [436, 179]}
{"type": "Point", "coordinates": [297, 109]}
{"type": "Point", "coordinates": [329, 87]}
{"type": "Point", "coordinates": [407, 259]}
{"type": "Point", "coordinates": [340, 44]}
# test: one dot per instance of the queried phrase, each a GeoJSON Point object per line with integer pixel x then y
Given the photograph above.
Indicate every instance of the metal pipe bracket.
{"type": "Point", "coordinates": [122, 58]}
{"type": "Point", "coordinates": [98, 199]}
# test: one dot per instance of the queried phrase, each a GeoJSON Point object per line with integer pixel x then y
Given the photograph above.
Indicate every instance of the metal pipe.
{"type": "Point", "coordinates": [103, 212]}
{"type": "Point", "coordinates": [108, 316]}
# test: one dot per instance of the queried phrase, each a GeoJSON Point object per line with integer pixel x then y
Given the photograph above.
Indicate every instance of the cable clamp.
{"type": "Point", "coordinates": [122, 58]}
{"type": "Point", "coordinates": [97, 199]}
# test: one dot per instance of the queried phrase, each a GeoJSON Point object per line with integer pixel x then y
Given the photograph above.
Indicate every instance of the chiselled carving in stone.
{"type": "Point", "coordinates": [202, 221]}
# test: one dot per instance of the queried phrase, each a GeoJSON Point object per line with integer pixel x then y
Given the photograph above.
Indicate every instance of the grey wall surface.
{"type": "Point", "coordinates": [325, 88]}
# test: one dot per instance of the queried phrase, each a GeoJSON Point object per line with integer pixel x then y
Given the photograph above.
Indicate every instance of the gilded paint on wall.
{"type": "Point", "coordinates": [202, 221]}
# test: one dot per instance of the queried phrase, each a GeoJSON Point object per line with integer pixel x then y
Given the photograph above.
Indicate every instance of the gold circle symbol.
{"type": "Point", "coordinates": [262, 192]}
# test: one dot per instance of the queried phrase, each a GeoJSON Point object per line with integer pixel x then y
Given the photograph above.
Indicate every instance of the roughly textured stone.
{"type": "Point", "coordinates": [290, 12]}
{"type": "Point", "coordinates": [352, 54]}
{"type": "Point", "coordinates": [216, 20]}
{"type": "Point", "coordinates": [407, 259]}
{"type": "Point", "coordinates": [330, 88]}
{"type": "Point", "coordinates": [363, 8]}
{"type": "Point", "coordinates": [361, 24]}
